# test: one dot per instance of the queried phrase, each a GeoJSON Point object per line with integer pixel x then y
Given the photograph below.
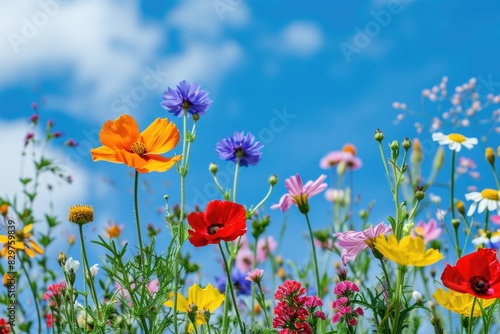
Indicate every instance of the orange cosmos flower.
{"type": "Point", "coordinates": [122, 143]}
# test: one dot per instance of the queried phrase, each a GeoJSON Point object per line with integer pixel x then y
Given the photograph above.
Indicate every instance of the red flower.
{"type": "Point", "coordinates": [222, 220]}
{"type": "Point", "coordinates": [477, 274]}
{"type": "Point", "coordinates": [4, 326]}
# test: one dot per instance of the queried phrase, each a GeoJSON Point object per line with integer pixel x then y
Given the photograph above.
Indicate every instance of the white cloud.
{"type": "Point", "coordinates": [301, 38]}
{"type": "Point", "coordinates": [63, 195]}
{"type": "Point", "coordinates": [95, 48]}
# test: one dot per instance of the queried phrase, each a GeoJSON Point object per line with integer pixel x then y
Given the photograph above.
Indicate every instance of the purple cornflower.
{"type": "Point", "coordinates": [242, 286]}
{"type": "Point", "coordinates": [299, 193]}
{"type": "Point", "coordinates": [240, 146]}
{"type": "Point", "coordinates": [186, 97]}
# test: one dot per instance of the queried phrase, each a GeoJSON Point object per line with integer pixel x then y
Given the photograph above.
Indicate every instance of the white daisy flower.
{"type": "Point", "coordinates": [454, 140]}
{"type": "Point", "coordinates": [71, 265]}
{"type": "Point", "coordinates": [488, 198]}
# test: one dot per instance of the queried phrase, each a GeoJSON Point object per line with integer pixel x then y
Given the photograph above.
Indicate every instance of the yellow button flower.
{"type": "Point", "coordinates": [408, 252]}
{"type": "Point", "coordinates": [461, 303]}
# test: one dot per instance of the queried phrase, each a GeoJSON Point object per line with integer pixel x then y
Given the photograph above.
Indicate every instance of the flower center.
{"type": "Point", "coordinates": [239, 152]}
{"type": "Point", "coordinates": [212, 229]}
{"type": "Point", "coordinates": [186, 104]}
{"type": "Point", "coordinates": [456, 137]}
{"type": "Point", "coordinates": [479, 284]}
{"type": "Point", "coordinates": [20, 236]}
{"type": "Point", "coordinates": [138, 148]}
{"type": "Point", "coordinates": [419, 231]}
{"type": "Point", "coordinates": [490, 194]}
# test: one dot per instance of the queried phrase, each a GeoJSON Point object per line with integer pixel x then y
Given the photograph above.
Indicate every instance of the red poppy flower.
{"type": "Point", "coordinates": [477, 274]}
{"type": "Point", "coordinates": [222, 220]}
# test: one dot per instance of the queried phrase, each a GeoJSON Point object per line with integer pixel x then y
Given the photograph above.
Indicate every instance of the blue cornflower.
{"type": "Point", "coordinates": [242, 286]}
{"type": "Point", "coordinates": [240, 146]}
{"type": "Point", "coordinates": [186, 97]}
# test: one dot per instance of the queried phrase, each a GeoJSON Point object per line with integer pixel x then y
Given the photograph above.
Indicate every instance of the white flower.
{"type": "Point", "coordinates": [454, 140]}
{"type": "Point", "coordinates": [71, 265]}
{"type": "Point", "coordinates": [417, 297]}
{"type": "Point", "coordinates": [488, 198]}
{"type": "Point", "coordinates": [94, 270]}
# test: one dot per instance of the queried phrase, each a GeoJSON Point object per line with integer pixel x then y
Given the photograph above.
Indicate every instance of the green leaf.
{"type": "Point", "coordinates": [25, 180]}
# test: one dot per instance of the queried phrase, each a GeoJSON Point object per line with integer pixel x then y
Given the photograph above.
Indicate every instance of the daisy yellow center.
{"type": "Point", "coordinates": [456, 137]}
{"type": "Point", "coordinates": [138, 148]}
{"type": "Point", "coordinates": [490, 194]}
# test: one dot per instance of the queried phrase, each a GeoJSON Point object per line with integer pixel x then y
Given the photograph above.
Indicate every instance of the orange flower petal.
{"type": "Point", "coordinates": [131, 159]}
{"type": "Point", "coordinates": [35, 247]}
{"type": "Point", "coordinates": [104, 153]}
{"type": "Point", "coordinates": [120, 134]}
{"type": "Point", "coordinates": [158, 163]}
{"type": "Point", "coordinates": [160, 136]}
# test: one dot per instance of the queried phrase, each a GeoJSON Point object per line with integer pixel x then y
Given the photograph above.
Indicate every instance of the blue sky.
{"type": "Point", "coordinates": [278, 69]}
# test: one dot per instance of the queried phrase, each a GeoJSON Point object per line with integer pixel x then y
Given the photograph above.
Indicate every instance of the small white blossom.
{"type": "Point", "coordinates": [94, 270]}
{"type": "Point", "coordinates": [71, 265]}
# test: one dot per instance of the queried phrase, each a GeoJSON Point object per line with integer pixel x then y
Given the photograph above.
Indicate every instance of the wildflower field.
{"type": "Point", "coordinates": [171, 223]}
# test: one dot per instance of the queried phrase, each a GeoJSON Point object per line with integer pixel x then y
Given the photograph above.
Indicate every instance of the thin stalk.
{"type": "Point", "coordinates": [316, 271]}
{"type": "Point", "coordinates": [495, 176]}
{"type": "Point", "coordinates": [399, 286]}
{"type": "Point", "coordinates": [264, 308]}
{"type": "Point", "coordinates": [137, 220]}
{"type": "Point", "coordinates": [452, 187]}
{"type": "Point", "coordinates": [35, 299]}
{"type": "Point", "coordinates": [263, 200]}
{"type": "Point", "coordinates": [252, 313]}
{"type": "Point", "coordinates": [387, 278]}
{"type": "Point", "coordinates": [385, 165]}
{"type": "Point", "coordinates": [87, 275]}
{"type": "Point", "coordinates": [231, 289]}
{"type": "Point", "coordinates": [469, 330]}
{"type": "Point", "coordinates": [235, 183]}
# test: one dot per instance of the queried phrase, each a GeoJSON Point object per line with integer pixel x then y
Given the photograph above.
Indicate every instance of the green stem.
{"type": "Point", "coordinates": [495, 176]}
{"type": "Point", "coordinates": [231, 289]}
{"type": "Point", "coordinates": [452, 187]}
{"type": "Point", "coordinates": [397, 300]}
{"type": "Point", "coordinates": [385, 164]}
{"type": "Point", "coordinates": [87, 275]}
{"type": "Point", "coordinates": [316, 271]}
{"type": "Point", "coordinates": [252, 313]}
{"type": "Point", "coordinates": [469, 330]}
{"type": "Point", "coordinates": [264, 308]}
{"type": "Point", "coordinates": [32, 288]}
{"type": "Point", "coordinates": [486, 218]}
{"type": "Point", "coordinates": [263, 200]}
{"type": "Point", "coordinates": [137, 220]}
{"type": "Point", "coordinates": [235, 183]}
{"type": "Point", "coordinates": [387, 278]}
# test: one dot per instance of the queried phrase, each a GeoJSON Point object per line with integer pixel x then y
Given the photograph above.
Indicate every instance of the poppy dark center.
{"type": "Point", "coordinates": [212, 229]}
{"type": "Point", "coordinates": [480, 284]}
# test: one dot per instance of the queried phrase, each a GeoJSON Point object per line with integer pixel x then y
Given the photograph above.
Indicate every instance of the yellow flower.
{"type": "Point", "coordinates": [203, 300]}
{"type": "Point", "coordinates": [490, 155]}
{"type": "Point", "coordinates": [81, 214]}
{"type": "Point", "coordinates": [461, 303]}
{"type": "Point", "coordinates": [4, 208]}
{"type": "Point", "coordinates": [23, 242]}
{"type": "Point", "coordinates": [408, 252]}
{"type": "Point", "coordinates": [123, 143]}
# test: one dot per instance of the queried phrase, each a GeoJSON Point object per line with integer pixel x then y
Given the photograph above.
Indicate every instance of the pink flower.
{"type": "Point", "coordinates": [244, 260]}
{"type": "Point", "coordinates": [71, 143]}
{"type": "Point", "coordinates": [495, 219]}
{"type": "Point", "coordinates": [265, 246]}
{"type": "Point", "coordinates": [428, 231]}
{"type": "Point", "coordinates": [353, 242]}
{"type": "Point", "coordinates": [255, 275]}
{"type": "Point", "coordinates": [34, 118]}
{"type": "Point", "coordinates": [345, 288]}
{"type": "Point", "coordinates": [299, 194]}
{"type": "Point", "coordinates": [153, 286]}
{"type": "Point", "coordinates": [347, 156]}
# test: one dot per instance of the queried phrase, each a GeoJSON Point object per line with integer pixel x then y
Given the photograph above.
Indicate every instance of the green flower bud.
{"type": "Point", "coordinates": [379, 136]}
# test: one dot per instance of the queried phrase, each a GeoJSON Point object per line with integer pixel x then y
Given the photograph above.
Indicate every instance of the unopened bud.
{"type": "Point", "coordinates": [379, 136]}
{"type": "Point", "coordinates": [460, 206]}
{"type": "Point", "coordinates": [455, 223]}
{"type": "Point", "coordinates": [490, 156]}
{"type": "Point", "coordinates": [196, 117]}
{"type": "Point", "coordinates": [395, 149]}
{"type": "Point", "coordinates": [417, 297]}
{"type": "Point", "coordinates": [438, 159]}
{"type": "Point", "coordinates": [419, 193]}
{"type": "Point", "coordinates": [433, 272]}
{"type": "Point", "coordinates": [406, 143]}
{"type": "Point", "coordinates": [416, 154]}
{"type": "Point", "coordinates": [61, 259]}
{"type": "Point", "coordinates": [273, 179]}
{"type": "Point", "coordinates": [213, 168]}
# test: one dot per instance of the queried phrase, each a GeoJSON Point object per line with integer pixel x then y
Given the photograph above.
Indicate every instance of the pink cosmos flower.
{"type": "Point", "coordinates": [298, 193]}
{"type": "Point", "coordinates": [428, 231]}
{"type": "Point", "coordinates": [346, 156]}
{"type": "Point", "coordinates": [244, 260]}
{"type": "Point", "coordinates": [255, 275]}
{"type": "Point", "coordinates": [495, 219]}
{"type": "Point", "coordinates": [353, 242]}
{"type": "Point", "coordinates": [265, 246]}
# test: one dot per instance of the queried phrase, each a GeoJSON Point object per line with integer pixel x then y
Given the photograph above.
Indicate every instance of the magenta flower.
{"type": "Point", "coordinates": [299, 194]}
{"type": "Point", "coordinates": [495, 219]}
{"type": "Point", "coordinates": [265, 246]}
{"type": "Point", "coordinates": [428, 231]}
{"type": "Point", "coordinates": [353, 242]}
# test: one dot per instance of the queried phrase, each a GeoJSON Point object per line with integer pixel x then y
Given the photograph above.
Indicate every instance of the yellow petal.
{"type": "Point", "coordinates": [461, 303]}
{"type": "Point", "coordinates": [408, 252]}
{"type": "Point", "coordinates": [182, 303]}
{"type": "Point", "coordinates": [27, 229]}
{"type": "Point", "coordinates": [158, 163]}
